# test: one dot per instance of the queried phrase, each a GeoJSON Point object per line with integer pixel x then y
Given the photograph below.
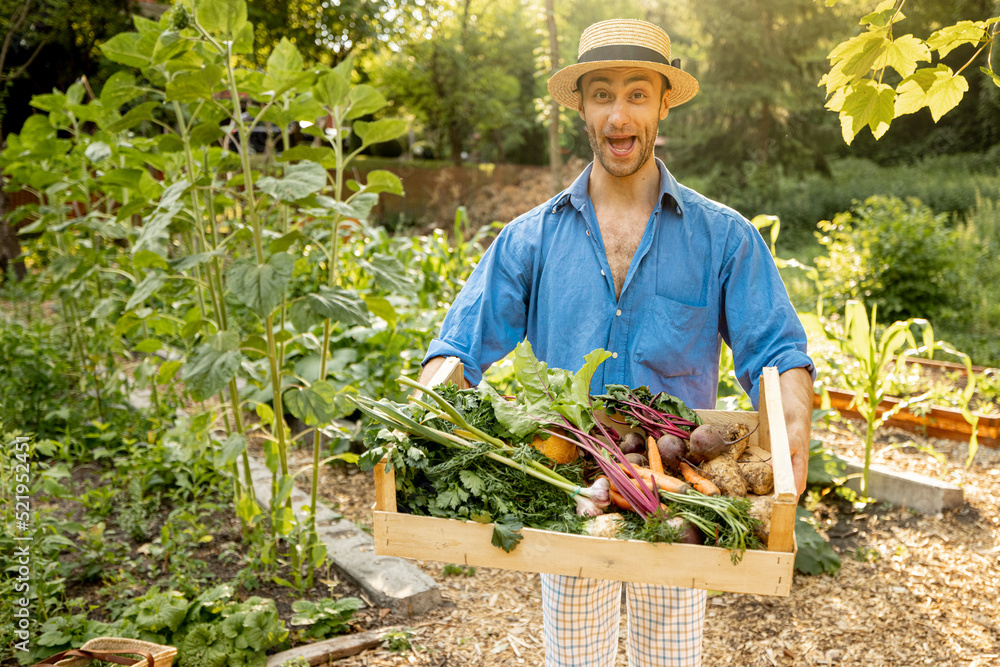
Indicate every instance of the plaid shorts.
{"type": "Point", "coordinates": [581, 618]}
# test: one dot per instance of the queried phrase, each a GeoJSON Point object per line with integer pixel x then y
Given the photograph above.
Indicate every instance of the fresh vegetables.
{"type": "Point", "coordinates": [475, 455]}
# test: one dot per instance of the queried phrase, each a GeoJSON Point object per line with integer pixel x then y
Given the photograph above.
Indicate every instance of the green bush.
{"type": "Point", "coordinates": [894, 253]}
{"type": "Point", "coordinates": [976, 329]}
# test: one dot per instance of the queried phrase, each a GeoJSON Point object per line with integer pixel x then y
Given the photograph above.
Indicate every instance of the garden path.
{"type": "Point", "coordinates": [913, 589]}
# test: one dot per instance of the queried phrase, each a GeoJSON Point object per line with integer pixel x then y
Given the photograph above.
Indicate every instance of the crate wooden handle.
{"type": "Point", "coordinates": [772, 429]}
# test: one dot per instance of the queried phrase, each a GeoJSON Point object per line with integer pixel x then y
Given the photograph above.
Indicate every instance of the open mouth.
{"type": "Point", "coordinates": [621, 145]}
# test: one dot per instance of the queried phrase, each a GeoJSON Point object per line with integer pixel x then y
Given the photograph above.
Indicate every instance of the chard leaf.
{"type": "Point", "coordinates": [507, 533]}
{"type": "Point", "coordinates": [512, 415]}
{"type": "Point", "coordinates": [575, 404]}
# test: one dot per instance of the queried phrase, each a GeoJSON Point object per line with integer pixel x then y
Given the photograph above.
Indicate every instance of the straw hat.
{"type": "Point", "coordinates": [622, 43]}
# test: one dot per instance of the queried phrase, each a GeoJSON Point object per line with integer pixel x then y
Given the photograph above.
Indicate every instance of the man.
{"type": "Point", "coordinates": [628, 260]}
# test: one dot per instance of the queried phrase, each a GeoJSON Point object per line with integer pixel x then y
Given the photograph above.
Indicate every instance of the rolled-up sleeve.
{"type": "Point", "coordinates": [489, 315]}
{"type": "Point", "coordinates": [758, 320]}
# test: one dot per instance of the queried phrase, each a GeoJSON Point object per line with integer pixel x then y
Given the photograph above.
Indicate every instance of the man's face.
{"type": "Point", "coordinates": [621, 108]}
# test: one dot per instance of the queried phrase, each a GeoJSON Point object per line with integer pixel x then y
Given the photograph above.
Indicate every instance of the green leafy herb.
{"type": "Point", "coordinates": [507, 533]}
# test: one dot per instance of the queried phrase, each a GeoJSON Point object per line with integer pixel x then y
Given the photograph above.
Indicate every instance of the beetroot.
{"type": "Point", "coordinates": [707, 442]}
{"type": "Point", "coordinates": [632, 443]}
{"type": "Point", "coordinates": [637, 459]}
{"type": "Point", "coordinates": [672, 450]}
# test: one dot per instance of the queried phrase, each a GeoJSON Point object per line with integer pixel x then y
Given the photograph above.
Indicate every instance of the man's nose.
{"type": "Point", "coordinates": [619, 113]}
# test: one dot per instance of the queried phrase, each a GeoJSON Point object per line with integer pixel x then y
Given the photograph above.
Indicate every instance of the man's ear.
{"type": "Point", "coordinates": [665, 104]}
{"type": "Point", "coordinates": [580, 111]}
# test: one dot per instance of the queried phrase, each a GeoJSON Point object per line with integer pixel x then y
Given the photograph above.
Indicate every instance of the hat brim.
{"type": "Point", "coordinates": [562, 85]}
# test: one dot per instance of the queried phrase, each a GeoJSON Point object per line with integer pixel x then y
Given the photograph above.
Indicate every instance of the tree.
{"type": "Point", "coordinates": [555, 159]}
{"type": "Point", "coordinates": [757, 110]}
{"type": "Point", "coordinates": [877, 75]}
{"type": "Point", "coordinates": [468, 78]}
{"type": "Point", "coordinates": [47, 44]}
{"type": "Point", "coordinates": [328, 32]}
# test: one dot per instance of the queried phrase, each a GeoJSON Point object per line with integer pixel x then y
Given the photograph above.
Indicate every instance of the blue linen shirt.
{"type": "Point", "coordinates": [701, 274]}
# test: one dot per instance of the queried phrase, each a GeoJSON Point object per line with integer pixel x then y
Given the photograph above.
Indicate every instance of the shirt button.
{"type": "Point", "coordinates": [588, 232]}
{"type": "Point", "coordinates": [614, 355]}
{"type": "Point", "coordinates": [618, 313]}
{"type": "Point", "coordinates": [602, 272]}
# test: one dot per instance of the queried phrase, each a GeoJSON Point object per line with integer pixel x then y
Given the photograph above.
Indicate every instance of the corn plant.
{"type": "Point", "coordinates": [865, 357]}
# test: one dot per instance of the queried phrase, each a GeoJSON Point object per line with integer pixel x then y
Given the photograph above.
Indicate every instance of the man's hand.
{"type": "Point", "coordinates": [796, 399]}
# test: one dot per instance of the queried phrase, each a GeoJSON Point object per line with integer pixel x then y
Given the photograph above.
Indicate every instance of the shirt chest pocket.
{"type": "Point", "coordinates": [674, 339]}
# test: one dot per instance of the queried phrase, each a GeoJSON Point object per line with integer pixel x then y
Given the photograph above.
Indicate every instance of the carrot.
{"type": "Point", "coordinates": [618, 500]}
{"type": "Point", "coordinates": [700, 483]}
{"type": "Point", "coordinates": [662, 481]}
{"type": "Point", "coordinates": [655, 462]}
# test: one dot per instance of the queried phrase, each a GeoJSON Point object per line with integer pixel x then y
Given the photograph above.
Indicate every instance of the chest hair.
{"type": "Point", "coordinates": [621, 233]}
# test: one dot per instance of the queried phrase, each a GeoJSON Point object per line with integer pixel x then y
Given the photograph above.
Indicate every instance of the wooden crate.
{"type": "Point", "coordinates": [468, 543]}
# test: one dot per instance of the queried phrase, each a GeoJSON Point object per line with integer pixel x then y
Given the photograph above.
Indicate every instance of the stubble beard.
{"type": "Point", "coordinates": [617, 169]}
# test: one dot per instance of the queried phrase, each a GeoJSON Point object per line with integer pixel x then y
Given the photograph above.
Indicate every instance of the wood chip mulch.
{"type": "Point", "coordinates": [912, 590]}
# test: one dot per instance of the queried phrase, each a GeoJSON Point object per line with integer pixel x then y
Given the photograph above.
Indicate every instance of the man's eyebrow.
{"type": "Point", "coordinates": [635, 78]}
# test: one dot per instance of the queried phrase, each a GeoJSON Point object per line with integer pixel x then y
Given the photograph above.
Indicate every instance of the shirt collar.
{"type": "Point", "coordinates": [576, 194]}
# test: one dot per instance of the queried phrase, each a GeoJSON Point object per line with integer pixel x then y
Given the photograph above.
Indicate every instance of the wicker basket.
{"type": "Point", "coordinates": [162, 655]}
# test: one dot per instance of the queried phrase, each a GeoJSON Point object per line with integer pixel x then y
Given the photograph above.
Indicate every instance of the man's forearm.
{"type": "Point", "coordinates": [796, 399]}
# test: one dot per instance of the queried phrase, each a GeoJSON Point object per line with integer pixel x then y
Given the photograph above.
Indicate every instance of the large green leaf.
{"type": "Point", "coordinates": [939, 89]}
{"type": "Point", "coordinates": [284, 68]}
{"type": "Point", "coordinates": [903, 54]}
{"type": "Point", "coordinates": [122, 178]}
{"type": "Point", "coordinates": [868, 103]}
{"type": "Point", "coordinates": [331, 89]}
{"type": "Point", "coordinates": [212, 366]}
{"type": "Point", "coordinates": [154, 233]}
{"type": "Point", "coordinates": [225, 16]}
{"type": "Point", "coordinates": [194, 85]}
{"type": "Point", "coordinates": [315, 405]}
{"type": "Point", "coordinates": [119, 89]}
{"type": "Point", "coordinates": [379, 180]}
{"type": "Point", "coordinates": [953, 36]}
{"type": "Point", "coordinates": [339, 305]}
{"type": "Point", "coordinates": [145, 289]}
{"type": "Point", "coordinates": [169, 44]}
{"type": "Point", "coordinates": [390, 274]}
{"type": "Point", "coordinates": [379, 131]}
{"type": "Point", "coordinates": [323, 155]}
{"type": "Point", "coordinates": [260, 287]}
{"type": "Point", "coordinates": [815, 555]}
{"type": "Point", "coordinates": [133, 117]}
{"type": "Point", "coordinates": [124, 49]}
{"type": "Point", "coordinates": [364, 99]}
{"type": "Point", "coordinates": [300, 181]}
{"type": "Point", "coordinates": [230, 450]}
